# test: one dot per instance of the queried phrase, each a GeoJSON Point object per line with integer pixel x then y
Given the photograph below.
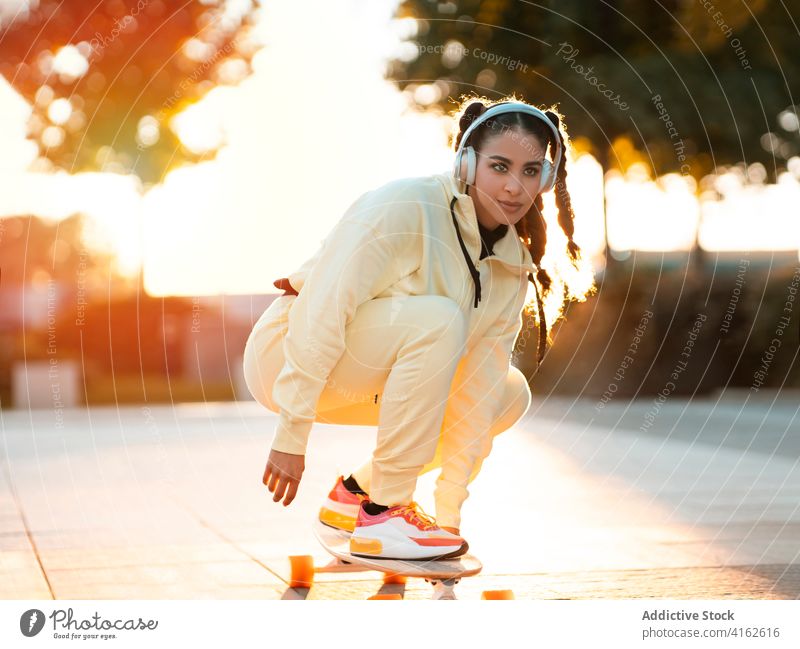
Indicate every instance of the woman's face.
{"type": "Point", "coordinates": [507, 178]}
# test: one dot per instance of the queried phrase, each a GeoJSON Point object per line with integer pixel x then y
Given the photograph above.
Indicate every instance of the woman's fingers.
{"type": "Point", "coordinates": [280, 488]}
{"type": "Point", "coordinates": [291, 493]}
{"type": "Point", "coordinates": [286, 487]}
{"type": "Point", "coordinates": [282, 476]}
{"type": "Point", "coordinates": [273, 481]}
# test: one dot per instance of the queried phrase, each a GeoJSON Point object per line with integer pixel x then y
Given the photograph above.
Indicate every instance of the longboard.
{"type": "Point", "coordinates": [443, 574]}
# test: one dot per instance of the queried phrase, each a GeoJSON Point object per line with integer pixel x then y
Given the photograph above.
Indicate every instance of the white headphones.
{"type": "Point", "coordinates": [548, 172]}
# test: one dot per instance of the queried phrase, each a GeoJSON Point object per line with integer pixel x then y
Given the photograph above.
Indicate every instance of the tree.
{"type": "Point", "coordinates": [674, 84]}
{"type": "Point", "coordinates": [104, 78]}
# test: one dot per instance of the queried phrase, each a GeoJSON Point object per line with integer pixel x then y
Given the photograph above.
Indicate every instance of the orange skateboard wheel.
{"type": "Point", "coordinates": [498, 594]}
{"type": "Point", "coordinates": [390, 578]}
{"type": "Point", "coordinates": [386, 596]}
{"type": "Point", "coordinates": [302, 571]}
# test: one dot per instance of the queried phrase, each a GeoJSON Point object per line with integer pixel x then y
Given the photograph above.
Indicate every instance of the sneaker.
{"type": "Point", "coordinates": [340, 510]}
{"type": "Point", "coordinates": [403, 532]}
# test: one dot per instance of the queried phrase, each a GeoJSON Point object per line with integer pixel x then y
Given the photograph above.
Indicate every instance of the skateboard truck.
{"type": "Point", "coordinates": [443, 588]}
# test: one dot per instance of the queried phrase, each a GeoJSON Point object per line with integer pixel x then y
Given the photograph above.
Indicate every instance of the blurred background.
{"type": "Point", "coordinates": [162, 163]}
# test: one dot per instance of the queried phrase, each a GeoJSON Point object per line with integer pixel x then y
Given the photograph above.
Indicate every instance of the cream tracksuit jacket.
{"type": "Point", "coordinates": [400, 239]}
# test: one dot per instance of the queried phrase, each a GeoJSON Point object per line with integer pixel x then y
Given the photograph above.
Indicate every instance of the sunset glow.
{"type": "Point", "coordinates": [295, 157]}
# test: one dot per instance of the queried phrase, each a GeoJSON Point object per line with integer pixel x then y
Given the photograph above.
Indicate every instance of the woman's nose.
{"type": "Point", "coordinates": [513, 186]}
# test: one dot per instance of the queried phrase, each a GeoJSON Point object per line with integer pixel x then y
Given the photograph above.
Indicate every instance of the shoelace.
{"type": "Point", "coordinates": [413, 514]}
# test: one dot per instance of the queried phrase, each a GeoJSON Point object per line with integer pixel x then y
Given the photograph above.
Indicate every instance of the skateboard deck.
{"type": "Point", "coordinates": [337, 543]}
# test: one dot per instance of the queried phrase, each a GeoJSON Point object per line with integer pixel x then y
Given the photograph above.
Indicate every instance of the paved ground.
{"type": "Point", "coordinates": [167, 502]}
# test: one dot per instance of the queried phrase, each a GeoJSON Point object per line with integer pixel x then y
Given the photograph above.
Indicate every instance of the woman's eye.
{"type": "Point", "coordinates": [499, 166]}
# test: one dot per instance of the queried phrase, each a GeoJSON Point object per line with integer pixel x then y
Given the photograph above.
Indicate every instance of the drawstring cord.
{"type": "Point", "coordinates": [476, 278]}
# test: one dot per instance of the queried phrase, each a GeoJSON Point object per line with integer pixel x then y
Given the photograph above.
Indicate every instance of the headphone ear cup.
{"type": "Point", "coordinates": [465, 165]}
{"type": "Point", "coordinates": [458, 170]}
{"type": "Point", "coordinates": [548, 176]}
{"type": "Point", "coordinates": [472, 165]}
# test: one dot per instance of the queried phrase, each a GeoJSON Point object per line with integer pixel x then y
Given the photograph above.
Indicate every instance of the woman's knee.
{"type": "Point", "coordinates": [516, 401]}
{"type": "Point", "coordinates": [261, 364]}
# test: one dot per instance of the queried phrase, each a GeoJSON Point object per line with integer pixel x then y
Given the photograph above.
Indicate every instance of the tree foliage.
{"type": "Point", "coordinates": [105, 77]}
{"type": "Point", "coordinates": [704, 83]}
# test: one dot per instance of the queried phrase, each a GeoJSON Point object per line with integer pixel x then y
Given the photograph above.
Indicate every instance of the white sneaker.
{"type": "Point", "coordinates": [403, 532]}
{"type": "Point", "coordinates": [341, 507]}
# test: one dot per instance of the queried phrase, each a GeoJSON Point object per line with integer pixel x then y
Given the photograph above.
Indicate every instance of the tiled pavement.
{"type": "Point", "coordinates": [167, 502]}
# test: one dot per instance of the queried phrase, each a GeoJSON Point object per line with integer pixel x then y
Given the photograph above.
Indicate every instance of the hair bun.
{"type": "Point", "coordinates": [471, 112]}
{"type": "Point", "coordinates": [552, 117]}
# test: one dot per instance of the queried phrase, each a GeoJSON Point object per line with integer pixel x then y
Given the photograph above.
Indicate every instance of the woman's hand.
{"type": "Point", "coordinates": [282, 475]}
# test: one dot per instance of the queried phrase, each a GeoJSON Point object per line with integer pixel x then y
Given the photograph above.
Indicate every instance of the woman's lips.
{"type": "Point", "coordinates": [510, 207]}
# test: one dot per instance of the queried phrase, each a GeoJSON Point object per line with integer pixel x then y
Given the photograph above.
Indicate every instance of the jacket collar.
{"type": "Point", "coordinates": [509, 250]}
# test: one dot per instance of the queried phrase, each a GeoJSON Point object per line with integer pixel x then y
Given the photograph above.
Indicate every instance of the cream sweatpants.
{"type": "Point", "coordinates": [401, 356]}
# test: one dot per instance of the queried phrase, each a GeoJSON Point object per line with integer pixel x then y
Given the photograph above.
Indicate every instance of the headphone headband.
{"type": "Point", "coordinates": [515, 107]}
